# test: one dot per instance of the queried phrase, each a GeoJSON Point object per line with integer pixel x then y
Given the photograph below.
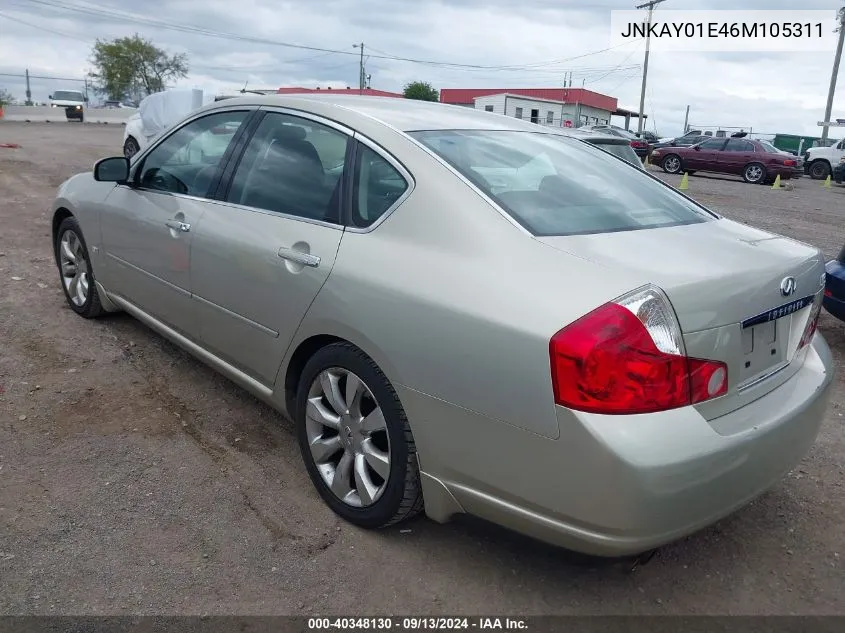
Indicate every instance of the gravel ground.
{"type": "Point", "coordinates": [135, 480]}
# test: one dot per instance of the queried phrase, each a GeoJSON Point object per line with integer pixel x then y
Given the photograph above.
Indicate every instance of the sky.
{"type": "Point", "coordinates": [453, 44]}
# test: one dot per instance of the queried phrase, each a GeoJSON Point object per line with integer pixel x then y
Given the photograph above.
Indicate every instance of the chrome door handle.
{"type": "Point", "coordinates": [176, 225]}
{"type": "Point", "coordinates": [299, 257]}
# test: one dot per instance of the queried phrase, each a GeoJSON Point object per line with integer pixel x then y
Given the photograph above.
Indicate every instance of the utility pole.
{"type": "Point", "coordinates": [828, 110]}
{"type": "Point", "coordinates": [650, 6]}
{"type": "Point", "coordinates": [686, 121]}
{"type": "Point", "coordinates": [28, 91]}
{"type": "Point", "coordinates": [361, 76]}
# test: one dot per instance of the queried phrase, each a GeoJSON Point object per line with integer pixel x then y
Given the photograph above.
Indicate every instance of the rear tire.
{"type": "Point", "coordinates": [352, 430]}
{"type": "Point", "coordinates": [754, 173]}
{"type": "Point", "coordinates": [672, 164]}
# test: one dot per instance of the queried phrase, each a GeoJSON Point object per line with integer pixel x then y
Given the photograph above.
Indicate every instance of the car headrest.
{"type": "Point", "coordinates": [289, 133]}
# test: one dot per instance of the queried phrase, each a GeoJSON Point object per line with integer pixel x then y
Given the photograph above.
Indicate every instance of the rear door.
{"type": "Point", "coordinates": [268, 243]}
{"type": "Point", "coordinates": [736, 155]}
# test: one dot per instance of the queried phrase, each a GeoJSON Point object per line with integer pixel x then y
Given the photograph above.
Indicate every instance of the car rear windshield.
{"type": "Point", "coordinates": [553, 185]}
{"type": "Point", "coordinates": [67, 95]}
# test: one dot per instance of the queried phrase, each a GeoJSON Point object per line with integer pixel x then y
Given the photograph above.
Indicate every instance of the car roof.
{"type": "Point", "coordinates": [406, 115]}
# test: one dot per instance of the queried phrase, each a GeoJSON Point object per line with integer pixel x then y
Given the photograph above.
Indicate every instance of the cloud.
{"type": "Point", "coordinates": [767, 91]}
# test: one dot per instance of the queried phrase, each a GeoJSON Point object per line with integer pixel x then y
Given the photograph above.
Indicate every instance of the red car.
{"type": "Point", "coordinates": [758, 162]}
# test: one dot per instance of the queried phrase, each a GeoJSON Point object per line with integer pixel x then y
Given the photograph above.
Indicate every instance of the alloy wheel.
{"type": "Point", "coordinates": [673, 164]}
{"type": "Point", "coordinates": [347, 437]}
{"type": "Point", "coordinates": [74, 268]}
{"type": "Point", "coordinates": [753, 173]}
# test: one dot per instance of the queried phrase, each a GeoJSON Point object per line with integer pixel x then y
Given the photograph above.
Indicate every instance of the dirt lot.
{"type": "Point", "coordinates": [135, 480]}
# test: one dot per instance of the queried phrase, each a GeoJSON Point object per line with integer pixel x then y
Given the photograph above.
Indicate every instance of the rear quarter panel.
{"type": "Point", "coordinates": [454, 301]}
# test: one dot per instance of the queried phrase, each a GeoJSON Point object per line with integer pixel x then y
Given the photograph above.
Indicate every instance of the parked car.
{"type": "Point", "coordinates": [156, 113]}
{"type": "Point", "coordinates": [347, 260]}
{"type": "Point", "coordinates": [839, 171]}
{"type": "Point", "coordinates": [756, 161]}
{"type": "Point", "coordinates": [641, 147]}
{"type": "Point", "coordinates": [616, 145]}
{"type": "Point", "coordinates": [820, 161]}
{"type": "Point", "coordinates": [687, 140]}
{"type": "Point", "coordinates": [834, 290]}
{"type": "Point", "coordinates": [651, 137]}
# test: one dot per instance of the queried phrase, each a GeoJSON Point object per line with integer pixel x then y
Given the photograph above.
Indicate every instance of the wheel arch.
{"type": "Point", "coordinates": [309, 344]}
{"type": "Point", "coordinates": [59, 216]}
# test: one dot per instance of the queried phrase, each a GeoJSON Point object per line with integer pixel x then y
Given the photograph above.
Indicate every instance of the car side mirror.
{"type": "Point", "coordinates": [697, 148]}
{"type": "Point", "coordinates": [115, 169]}
{"type": "Point", "coordinates": [49, 96]}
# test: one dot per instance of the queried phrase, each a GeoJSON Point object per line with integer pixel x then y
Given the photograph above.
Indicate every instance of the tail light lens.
{"type": "Point", "coordinates": [812, 323]}
{"type": "Point", "coordinates": [627, 357]}
{"type": "Point", "coordinates": [639, 144]}
{"type": "Point", "coordinates": [789, 163]}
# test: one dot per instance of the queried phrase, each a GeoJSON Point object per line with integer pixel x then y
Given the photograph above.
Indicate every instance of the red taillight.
{"type": "Point", "coordinates": [812, 324]}
{"type": "Point", "coordinates": [790, 163]}
{"type": "Point", "coordinates": [639, 144]}
{"type": "Point", "coordinates": [609, 362]}
{"type": "Point", "coordinates": [828, 292]}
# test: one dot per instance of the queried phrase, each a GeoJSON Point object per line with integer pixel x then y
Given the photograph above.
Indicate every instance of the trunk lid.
{"type": "Point", "coordinates": [724, 281]}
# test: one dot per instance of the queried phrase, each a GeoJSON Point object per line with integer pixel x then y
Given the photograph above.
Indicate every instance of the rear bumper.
{"type": "Point", "coordinates": [613, 486]}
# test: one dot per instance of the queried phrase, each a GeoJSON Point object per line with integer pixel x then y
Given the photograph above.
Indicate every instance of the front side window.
{"type": "Point", "coordinates": [554, 185]}
{"type": "Point", "coordinates": [712, 144]}
{"type": "Point", "coordinates": [187, 160]}
{"type": "Point", "coordinates": [292, 166]}
{"type": "Point", "coordinates": [378, 185]}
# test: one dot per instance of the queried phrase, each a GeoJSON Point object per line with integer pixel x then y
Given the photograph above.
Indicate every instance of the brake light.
{"type": "Point", "coordinates": [789, 163]}
{"type": "Point", "coordinates": [640, 144]}
{"type": "Point", "coordinates": [627, 357]}
{"type": "Point", "coordinates": [812, 324]}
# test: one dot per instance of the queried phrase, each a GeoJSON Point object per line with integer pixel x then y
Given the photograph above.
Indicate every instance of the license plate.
{"type": "Point", "coordinates": [778, 312]}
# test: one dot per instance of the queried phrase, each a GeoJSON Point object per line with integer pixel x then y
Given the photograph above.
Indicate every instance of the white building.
{"type": "Point", "coordinates": [543, 111]}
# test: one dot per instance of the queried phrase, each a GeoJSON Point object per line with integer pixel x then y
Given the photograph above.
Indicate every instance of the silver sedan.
{"type": "Point", "coordinates": [464, 313]}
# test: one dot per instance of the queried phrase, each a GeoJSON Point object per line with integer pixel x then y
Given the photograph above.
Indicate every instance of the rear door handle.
{"type": "Point", "coordinates": [306, 259]}
{"type": "Point", "coordinates": [176, 225]}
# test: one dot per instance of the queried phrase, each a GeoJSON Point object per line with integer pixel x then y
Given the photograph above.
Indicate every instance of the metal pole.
{"type": "Point", "coordinates": [650, 6]}
{"type": "Point", "coordinates": [686, 121]}
{"type": "Point", "coordinates": [829, 108]}
{"type": "Point", "coordinates": [28, 91]}
{"type": "Point", "coordinates": [361, 78]}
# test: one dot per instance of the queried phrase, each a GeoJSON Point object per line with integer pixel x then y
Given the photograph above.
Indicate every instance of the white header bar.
{"type": "Point", "coordinates": [792, 31]}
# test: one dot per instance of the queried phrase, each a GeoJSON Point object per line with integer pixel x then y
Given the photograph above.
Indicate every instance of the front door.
{"type": "Point", "coordinates": [263, 251]}
{"type": "Point", "coordinates": [148, 226]}
{"type": "Point", "coordinates": [705, 157]}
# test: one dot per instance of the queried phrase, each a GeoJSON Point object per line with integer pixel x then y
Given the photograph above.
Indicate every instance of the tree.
{"type": "Point", "coordinates": [422, 91]}
{"type": "Point", "coordinates": [133, 66]}
{"type": "Point", "coordinates": [5, 97]}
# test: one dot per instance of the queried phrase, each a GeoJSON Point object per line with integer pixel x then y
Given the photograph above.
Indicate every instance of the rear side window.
{"type": "Point", "coordinates": [554, 185]}
{"type": "Point", "coordinates": [378, 185]}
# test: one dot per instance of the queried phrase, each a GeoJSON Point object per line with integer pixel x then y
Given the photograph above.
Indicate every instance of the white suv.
{"type": "Point", "coordinates": [820, 161]}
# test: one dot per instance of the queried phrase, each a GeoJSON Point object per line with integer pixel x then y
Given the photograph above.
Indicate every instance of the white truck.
{"type": "Point", "coordinates": [73, 101]}
{"type": "Point", "coordinates": [819, 162]}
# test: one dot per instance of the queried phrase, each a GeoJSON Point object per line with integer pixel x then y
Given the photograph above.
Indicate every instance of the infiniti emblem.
{"type": "Point", "coordinates": [787, 286]}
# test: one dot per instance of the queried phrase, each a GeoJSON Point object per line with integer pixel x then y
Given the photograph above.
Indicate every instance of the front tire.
{"type": "Point", "coordinates": [355, 439]}
{"type": "Point", "coordinates": [75, 270]}
{"type": "Point", "coordinates": [130, 148]}
{"type": "Point", "coordinates": [819, 170]}
{"type": "Point", "coordinates": [672, 164]}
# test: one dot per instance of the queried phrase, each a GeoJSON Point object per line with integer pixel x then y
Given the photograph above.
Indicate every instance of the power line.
{"type": "Point", "coordinates": [135, 19]}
